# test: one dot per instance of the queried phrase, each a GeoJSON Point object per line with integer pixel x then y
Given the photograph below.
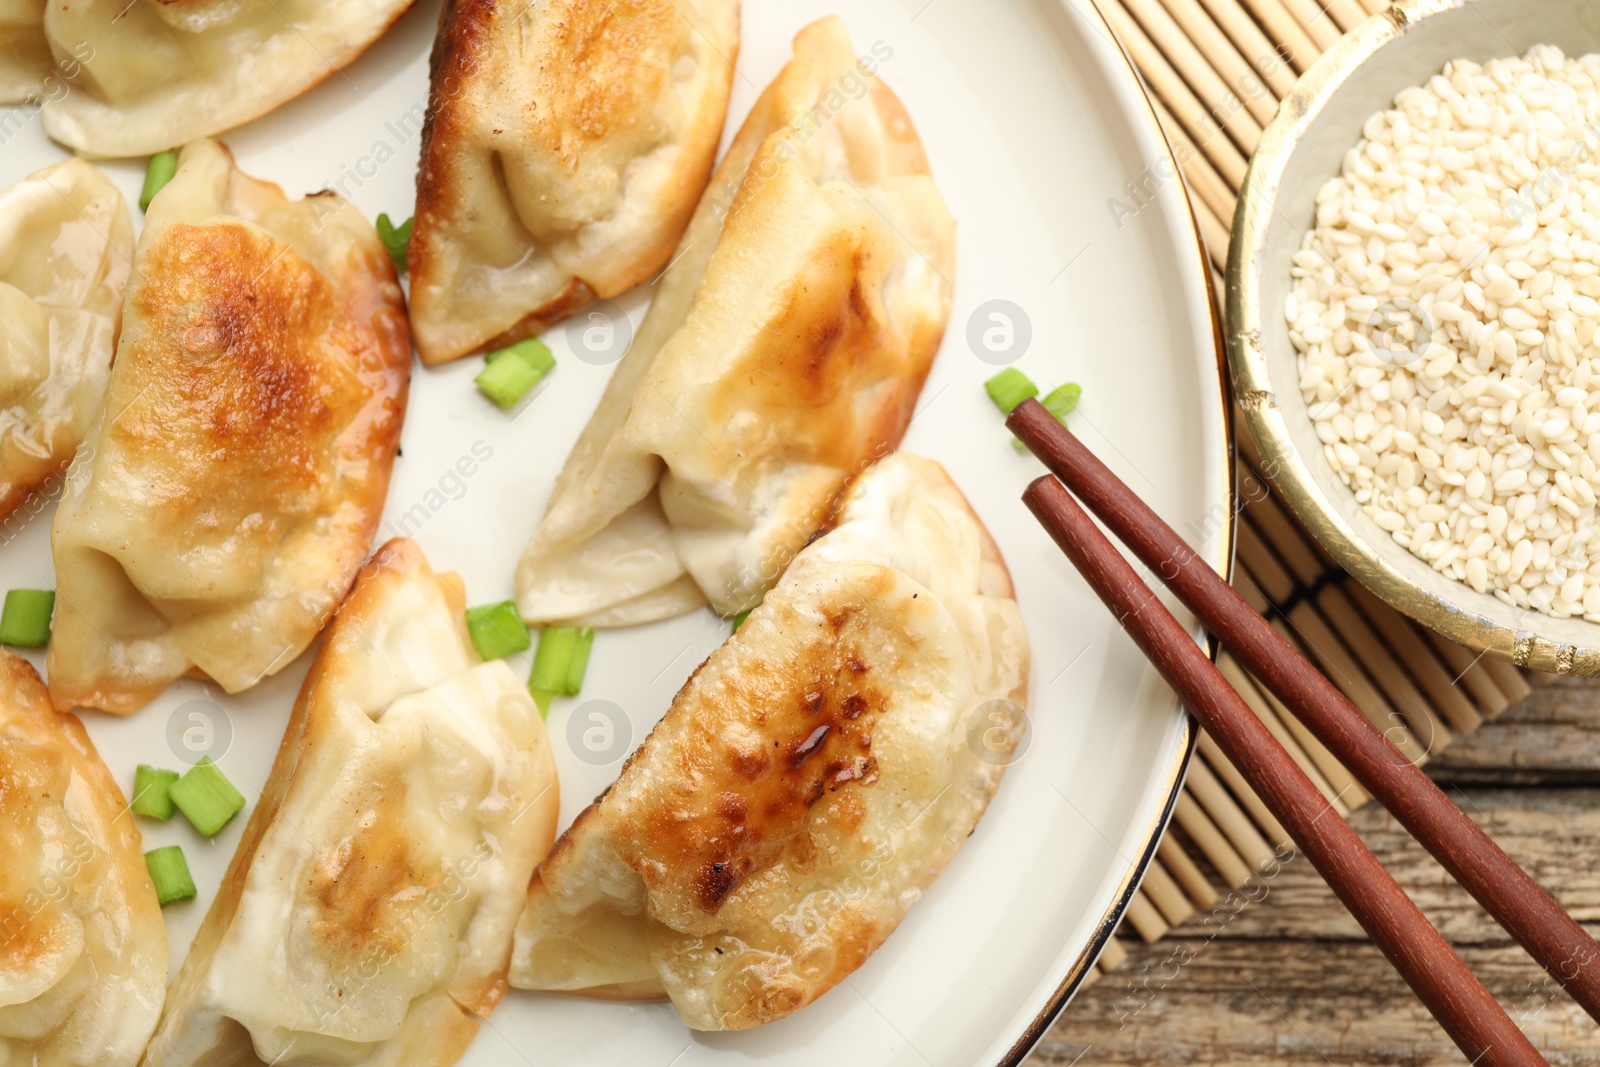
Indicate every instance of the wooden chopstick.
{"type": "Point", "coordinates": [1528, 913]}
{"type": "Point", "coordinates": [1472, 1018]}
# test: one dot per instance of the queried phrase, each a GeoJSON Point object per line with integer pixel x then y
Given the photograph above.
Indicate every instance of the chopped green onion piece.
{"type": "Point", "coordinates": [206, 797]}
{"type": "Point", "coordinates": [1009, 388]}
{"type": "Point", "coordinates": [157, 173]}
{"type": "Point", "coordinates": [532, 351]}
{"type": "Point", "coordinates": [1061, 400]}
{"type": "Point", "coordinates": [506, 381]}
{"type": "Point", "coordinates": [579, 663]}
{"type": "Point", "coordinates": [25, 620]}
{"type": "Point", "coordinates": [541, 700]}
{"type": "Point", "coordinates": [170, 873]}
{"type": "Point", "coordinates": [395, 239]}
{"type": "Point", "coordinates": [497, 630]}
{"type": "Point", "coordinates": [152, 791]}
{"type": "Point", "coordinates": [553, 660]}
{"type": "Point", "coordinates": [738, 620]}
{"type": "Point", "coordinates": [559, 663]}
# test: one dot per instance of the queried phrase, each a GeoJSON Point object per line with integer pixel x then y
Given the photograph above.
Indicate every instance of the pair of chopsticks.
{"type": "Point", "coordinates": [1429, 965]}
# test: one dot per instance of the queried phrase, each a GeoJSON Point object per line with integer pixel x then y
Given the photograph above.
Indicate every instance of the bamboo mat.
{"type": "Point", "coordinates": [1216, 70]}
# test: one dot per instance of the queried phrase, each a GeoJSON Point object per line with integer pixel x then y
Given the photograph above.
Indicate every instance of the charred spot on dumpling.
{"type": "Point", "coordinates": [803, 738]}
{"type": "Point", "coordinates": [715, 882]}
{"type": "Point", "coordinates": [761, 770]}
{"type": "Point", "coordinates": [808, 747]}
{"type": "Point", "coordinates": [862, 769]}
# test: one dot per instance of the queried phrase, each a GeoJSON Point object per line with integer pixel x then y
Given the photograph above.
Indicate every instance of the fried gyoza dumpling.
{"type": "Point", "coordinates": [24, 52]}
{"type": "Point", "coordinates": [84, 957]}
{"type": "Point", "coordinates": [367, 915]}
{"type": "Point", "coordinates": [235, 477]}
{"type": "Point", "coordinates": [65, 251]}
{"type": "Point", "coordinates": [783, 353]}
{"type": "Point", "coordinates": [814, 775]}
{"type": "Point", "coordinates": [567, 143]}
{"type": "Point", "coordinates": [160, 73]}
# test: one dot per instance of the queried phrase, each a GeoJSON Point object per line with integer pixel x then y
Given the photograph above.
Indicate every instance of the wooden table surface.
{"type": "Point", "coordinates": [1289, 978]}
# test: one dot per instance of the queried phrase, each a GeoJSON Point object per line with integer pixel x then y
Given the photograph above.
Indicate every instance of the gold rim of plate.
{"type": "Point", "coordinates": [1173, 775]}
{"type": "Point", "coordinates": [1286, 466]}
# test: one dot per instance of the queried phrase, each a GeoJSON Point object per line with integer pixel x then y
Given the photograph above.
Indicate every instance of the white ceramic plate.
{"type": "Point", "coordinates": [1034, 123]}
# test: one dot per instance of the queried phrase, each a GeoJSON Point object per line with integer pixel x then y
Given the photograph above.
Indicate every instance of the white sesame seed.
{"type": "Point", "coordinates": [1467, 223]}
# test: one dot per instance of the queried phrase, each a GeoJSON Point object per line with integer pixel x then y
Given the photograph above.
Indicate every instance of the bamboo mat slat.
{"type": "Point", "coordinates": [1280, 26]}
{"type": "Point", "coordinates": [1276, 835]}
{"type": "Point", "coordinates": [1208, 81]}
{"type": "Point", "coordinates": [1215, 71]}
{"type": "Point", "coordinates": [1188, 873]}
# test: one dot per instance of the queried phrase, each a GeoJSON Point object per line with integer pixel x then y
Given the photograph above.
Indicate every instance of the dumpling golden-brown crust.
{"type": "Point", "coordinates": [65, 251]}
{"type": "Point", "coordinates": [566, 145]}
{"type": "Point", "coordinates": [782, 354]}
{"type": "Point", "coordinates": [85, 959]}
{"type": "Point", "coordinates": [255, 388]}
{"type": "Point", "coordinates": [810, 779]}
{"type": "Point", "coordinates": [770, 754]}
{"type": "Point", "coordinates": [367, 914]}
{"type": "Point", "coordinates": [240, 466]}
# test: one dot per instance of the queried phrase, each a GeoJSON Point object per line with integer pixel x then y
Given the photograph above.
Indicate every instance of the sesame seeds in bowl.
{"type": "Point", "coordinates": [1443, 309]}
{"type": "Point", "coordinates": [1414, 317]}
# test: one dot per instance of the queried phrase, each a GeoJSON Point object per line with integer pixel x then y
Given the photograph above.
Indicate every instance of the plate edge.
{"type": "Point", "coordinates": [1072, 981]}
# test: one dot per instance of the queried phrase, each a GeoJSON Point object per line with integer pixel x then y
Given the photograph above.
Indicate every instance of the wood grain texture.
{"type": "Point", "coordinates": [1288, 978]}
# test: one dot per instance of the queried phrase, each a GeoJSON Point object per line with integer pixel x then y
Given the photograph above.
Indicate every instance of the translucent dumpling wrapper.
{"type": "Point", "coordinates": [24, 53]}
{"type": "Point", "coordinates": [782, 354]}
{"type": "Point", "coordinates": [367, 915]}
{"type": "Point", "coordinates": [813, 776]}
{"type": "Point", "coordinates": [65, 251]}
{"type": "Point", "coordinates": [567, 143]}
{"type": "Point", "coordinates": [84, 964]}
{"type": "Point", "coordinates": [228, 492]}
{"type": "Point", "coordinates": [155, 74]}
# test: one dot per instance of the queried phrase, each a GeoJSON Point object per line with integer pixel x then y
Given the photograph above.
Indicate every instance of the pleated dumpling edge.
{"type": "Point", "coordinates": [235, 477]}
{"type": "Point", "coordinates": [782, 355]}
